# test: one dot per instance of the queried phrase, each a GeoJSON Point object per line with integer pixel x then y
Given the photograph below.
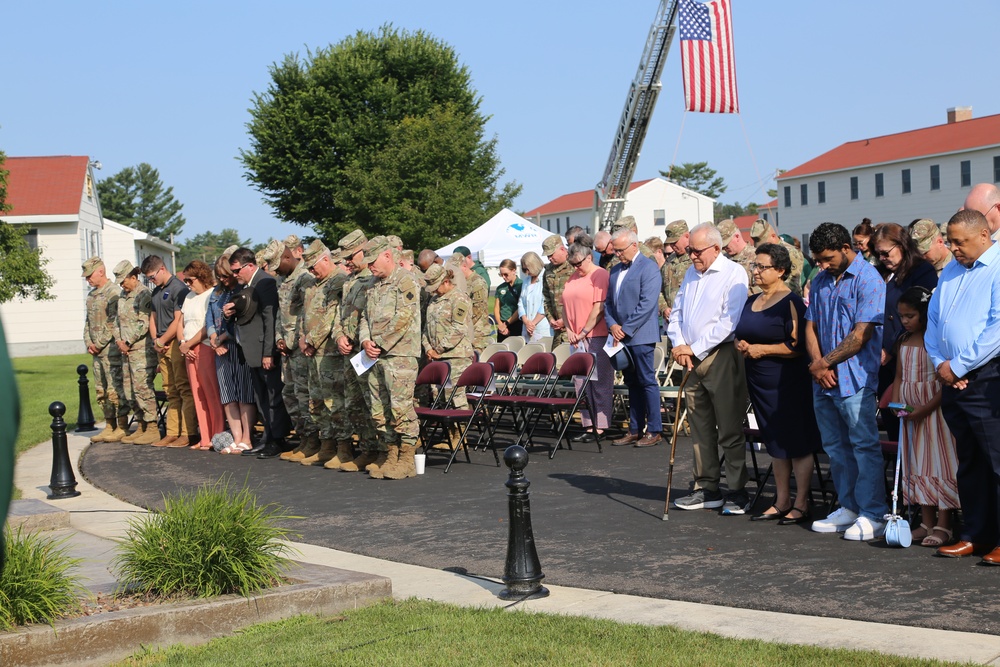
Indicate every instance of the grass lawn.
{"type": "Point", "coordinates": [42, 380]}
{"type": "Point", "coordinates": [430, 633]}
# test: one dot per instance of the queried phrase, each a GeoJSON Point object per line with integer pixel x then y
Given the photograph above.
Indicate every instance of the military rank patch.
{"type": "Point", "coordinates": [410, 296]}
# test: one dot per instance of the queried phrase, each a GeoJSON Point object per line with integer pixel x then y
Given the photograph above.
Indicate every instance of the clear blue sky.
{"type": "Point", "coordinates": [170, 84]}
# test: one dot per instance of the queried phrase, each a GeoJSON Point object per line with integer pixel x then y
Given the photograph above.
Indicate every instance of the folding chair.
{"type": "Point", "coordinates": [546, 343]}
{"type": "Point", "coordinates": [562, 353]}
{"type": "Point", "coordinates": [514, 343]}
{"type": "Point", "coordinates": [671, 392]}
{"type": "Point", "coordinates": [478, 375]}
{"type": "Point", "coordinates": [527, 350]}
{"type": "Point", "coordinates": [561, 410]}
{"type": "Point", "coordinates": [435, 376]}
{"type": "Point", "coordinates": [161, 410]}
{"type": "Point", "coordinates": [490, 350]}
{"type": "Point", "coordinates": [536, 376]}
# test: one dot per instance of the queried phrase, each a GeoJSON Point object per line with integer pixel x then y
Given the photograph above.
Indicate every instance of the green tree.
{"type": "Point", "coordinates": [207, 246]}
{"type": "Point", "coordinates": [380, 131]}
{"type": "Point", "coordinates": [136, 197]}
{"type": "Point", "coordinates": [697, 176]}
{"type": "Point", "coordinates": [22, 272]}
{"type": "Point", "coordinates": [734, 210]}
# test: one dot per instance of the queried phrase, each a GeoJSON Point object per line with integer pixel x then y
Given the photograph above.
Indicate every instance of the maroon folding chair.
{"type": "Point", "coordinates": [561, 410]}
{"type": "Point", "coordinates": [477, 375]}
{"type": "Point", "coordinates": [536, 378]}
{"type": "Point", "coordinates": [434, 375]}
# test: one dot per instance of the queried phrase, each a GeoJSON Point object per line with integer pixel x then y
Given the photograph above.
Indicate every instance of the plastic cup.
{"type": "Point", "coordinates": [419, 461]}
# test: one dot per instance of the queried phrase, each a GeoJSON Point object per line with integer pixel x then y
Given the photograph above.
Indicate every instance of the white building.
{"type": "Point", "coordinates": [56, 199]}
{"type": "Point", "coordinates": [653, 204]}
{"type": "Point", "coordinates": [925, 173]}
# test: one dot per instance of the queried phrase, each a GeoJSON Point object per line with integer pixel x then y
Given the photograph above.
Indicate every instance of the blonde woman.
{"type": "Point", "coordinates": [531, 305]}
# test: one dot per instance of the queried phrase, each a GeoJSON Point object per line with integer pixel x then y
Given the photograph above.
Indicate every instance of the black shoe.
{"type": "Point", "coordinates": [736, 504]}
{"type": "Point", "coordinates": [774, 516]}
{"type": "Point", "coordinates": [270, 451]}
{"type": "Point", "coordinates": [586, 436]}
{"type": "Point", "coordinates": [255, 450]}
{"type": "Point", "coordinates": [803, 517]}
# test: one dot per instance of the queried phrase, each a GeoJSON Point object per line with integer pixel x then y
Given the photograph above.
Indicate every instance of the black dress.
{"type": "Point", "coordinates": [780, 388]}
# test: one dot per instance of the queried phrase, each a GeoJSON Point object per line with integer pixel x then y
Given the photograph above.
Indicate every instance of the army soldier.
{"type": "Point", "coordinates": [762, 232]}
{"type": "Point", "coordinates": [138, 356]}
{"type": "Point", "coordinates": [390, 334]}
{"type": "Point", "coordinates": [99, 332]}
{"type": "Point", "coordinates": [294, 244]}
{"type": "Point", "coordinates": [675, 245]}
{"type": "Point", "coordinates": [321, 307]}
{"type": "Point", "coordinates": [738, 250]}
{"type": "Point", "coordinates": [478, 291]}
{"type": "Point", "coordinates": [931, 244]}
{"type": "Point", "coordinates": [474, 264]}
{"type": "Point", "coordinates": [554, 280]}
{"type": "Point", "coordinates": [373, 451]}
{"type": "Point", "coordinates": [446, 329]}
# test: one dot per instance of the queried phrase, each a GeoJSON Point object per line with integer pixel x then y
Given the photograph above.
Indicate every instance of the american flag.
{"type": "Point", "coordinates": [707, 56]}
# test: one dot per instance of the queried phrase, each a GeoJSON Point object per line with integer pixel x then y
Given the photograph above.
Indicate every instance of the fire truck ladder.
{"type": "Point", "coordinates": [610, 193]}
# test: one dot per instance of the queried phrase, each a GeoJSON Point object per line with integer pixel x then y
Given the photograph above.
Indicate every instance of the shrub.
{"type": "Point", "coordinates": [36, 585]}
{"type": "Point", "coordinates": [212, 541]}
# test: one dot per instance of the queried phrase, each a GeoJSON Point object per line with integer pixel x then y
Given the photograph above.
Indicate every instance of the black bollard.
{"type": "Point", "coordinates": [84, 416]}
{"type": "Point", "coordinates": [522, 571]}
{"type": "Point", "coordinates": [63, 482]}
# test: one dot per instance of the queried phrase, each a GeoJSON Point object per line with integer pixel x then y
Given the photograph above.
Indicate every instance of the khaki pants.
{"type": "Point", "coordinates": [182, 420]}
{"type": "Point", "coordinates": [716, 396]}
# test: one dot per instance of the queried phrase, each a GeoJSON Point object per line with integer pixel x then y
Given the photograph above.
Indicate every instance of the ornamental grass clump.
{"type": "Point", "coordinates": [36, 585]}
{"type": "Point", "coordinates": [213, 541]}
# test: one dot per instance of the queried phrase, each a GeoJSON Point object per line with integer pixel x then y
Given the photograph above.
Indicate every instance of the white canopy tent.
{"type": "Point", "coordinates": [504, 236]}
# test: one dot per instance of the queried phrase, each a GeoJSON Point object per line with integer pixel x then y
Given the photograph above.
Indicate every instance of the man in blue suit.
{"type": "Point", "coordinates": [631, 313]}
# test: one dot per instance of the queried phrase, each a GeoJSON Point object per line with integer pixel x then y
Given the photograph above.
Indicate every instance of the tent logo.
{"type": "Point", "coordinates": [521, 231]}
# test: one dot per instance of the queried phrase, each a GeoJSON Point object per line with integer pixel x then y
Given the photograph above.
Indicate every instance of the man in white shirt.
{"type": "Point", "coordinates": [706, 310]}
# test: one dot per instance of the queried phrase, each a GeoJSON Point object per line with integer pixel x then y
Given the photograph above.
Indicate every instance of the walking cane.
{"type": "Point", "coordinates": [673, 440]}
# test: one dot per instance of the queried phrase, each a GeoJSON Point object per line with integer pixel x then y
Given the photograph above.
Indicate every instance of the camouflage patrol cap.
{"type": "Point", "coordinates": [551, 244]}
{"type": "Point", "coordinates": [455, 261]}
{"type": "Point", "coordinates": [271, 255]}
{"type": "Point", "coordinates": [625, 222]}
{"type": "Point", "coordinates": [292, 241]}
{"type": "Point", "coordinates": [353, 242]}
{"type": "Point", "coordinates": [925, 232]}
{"type": "Point", "coordinates": [123, 270]}
{"type": "Point", "coordinates": [675, 230]}
{"type": "Point", "coordinates": [92, 265]}
{"type": "Point", "coordinates": [407, 255]}
{"type": "Point", "coordinates": [394, 241]}
{"type": "Point", "coordinates": [313, 253]}
{"type": "Point", "coordinates": [374, 248]}
{"type": "Point", "coordinates": [434, 277]}
{"type": "Point", "coordinates": [727, 230]}
{"type": "Point", "coordinates": [943, 228]}
{"type": "Point", "coordinates": [230, 250]}
{"type": "Point", "coordinates": [760, 230]}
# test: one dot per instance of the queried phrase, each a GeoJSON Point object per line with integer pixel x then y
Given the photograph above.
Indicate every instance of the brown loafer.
{"type": "Point", "coordinates": [963, 548]}
{"type": "Point", "coordinates": [182, 441]}
{"type": "Point", "coordinates": [627, 439]}
{"type": "Point", "coordinates": [992, 558]}
{"type": "Point", "coordinates": [164, 441]}
{"type": "Point", "coordinates": [649, 440]}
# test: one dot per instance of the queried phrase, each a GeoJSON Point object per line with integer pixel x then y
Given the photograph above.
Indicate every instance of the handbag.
{"type": "Point", "coordinates": [897, 528]}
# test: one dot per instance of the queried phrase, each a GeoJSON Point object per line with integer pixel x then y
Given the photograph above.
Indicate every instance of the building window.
{"type": "Point", "coordinates": [996, 168]}
{"type": "Point", "coordinates": [804, 194]}
{"type": "Point", "coordinates": [906, 181]}
{"type": "Point", "coordinates": [659, 217]}
{"type": "Point", "coordinates": [965, 167]}
{"type": "Point", "coordinates": [548, 224]}
{"type": "Point", "coordinates": [854, 187]}
{"type": "Point", "coordinates": [879, 185]}
{"type": "Point", "coordinates": [821, 192]}
{"type": "Point", "coordinates": [788, 196]}
{"type": "Point", "coordinates": [31, 238]}
{"type": "Point", "coordinates": [935, 177]}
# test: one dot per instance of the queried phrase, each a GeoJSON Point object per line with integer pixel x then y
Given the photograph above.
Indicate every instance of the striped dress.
{"type": "Point", "coordinates": [929, 448]}
{"type": "Point", "coordinates": [235, 377]}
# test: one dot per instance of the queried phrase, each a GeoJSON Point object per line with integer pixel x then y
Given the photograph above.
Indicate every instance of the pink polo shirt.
{"type": "Point", "coordinates": [579, 297]}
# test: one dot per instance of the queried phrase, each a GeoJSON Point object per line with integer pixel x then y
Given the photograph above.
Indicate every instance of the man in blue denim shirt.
{"type": "Point", "coordinates": [844, 341]}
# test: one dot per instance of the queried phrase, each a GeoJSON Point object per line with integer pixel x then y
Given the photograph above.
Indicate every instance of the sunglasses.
{"type": "Point", "coordinates": [884, 254]}
{"type": "Point", "coordinates": [696, 252]}
{"type": "Point", "coordinates": [189, 281]}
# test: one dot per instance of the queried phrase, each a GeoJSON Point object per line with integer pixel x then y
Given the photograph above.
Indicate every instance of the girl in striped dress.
{"type": "Point", "coordinates": [927, 443]}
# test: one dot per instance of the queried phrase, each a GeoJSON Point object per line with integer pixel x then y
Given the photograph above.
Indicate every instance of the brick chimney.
{"type": "Point", "coordinates": [958, 114]}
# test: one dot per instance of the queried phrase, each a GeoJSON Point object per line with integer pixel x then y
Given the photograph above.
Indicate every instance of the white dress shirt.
{"type": "Point", "coordinates": [708, 306]}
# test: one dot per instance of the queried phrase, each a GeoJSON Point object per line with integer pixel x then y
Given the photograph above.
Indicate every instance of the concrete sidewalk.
{"type": "Point", "coordinates": [97, 514]}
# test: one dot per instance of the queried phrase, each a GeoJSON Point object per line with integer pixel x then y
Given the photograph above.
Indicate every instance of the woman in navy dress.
{"type": "Point", "coordinates": [771, 337]}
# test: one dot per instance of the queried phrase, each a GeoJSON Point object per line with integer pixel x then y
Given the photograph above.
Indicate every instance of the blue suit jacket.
{"type": "Point", "coordinates": [634, 307]}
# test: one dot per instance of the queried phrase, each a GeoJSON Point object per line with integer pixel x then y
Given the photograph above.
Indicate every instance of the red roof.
{"type": "Point", "coordinates": [45, 185]}
{"type": "Point", "coordinates": [574, 201]}
{"type": "Point", "coordinates": [947, 138]}
{"type": "Point", "coordinates": [744, 223]}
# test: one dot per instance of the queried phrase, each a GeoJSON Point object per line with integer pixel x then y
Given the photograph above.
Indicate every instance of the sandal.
{"type": "Point", "coordinates": [927, 531]}
{"type": "Point", "coordinates": [777, 514]}
{"type": "Point", "coordinates": [933, 540]}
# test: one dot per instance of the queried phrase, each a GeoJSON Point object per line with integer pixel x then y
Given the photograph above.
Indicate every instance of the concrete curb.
{"type": "Point", "coordinates": [104, 638]}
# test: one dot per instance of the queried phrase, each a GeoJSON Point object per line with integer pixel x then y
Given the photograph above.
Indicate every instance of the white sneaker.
{"type": "Point", "coordinates": [836, 522]}
{"type": "Point", "coordinates": [865, 529]}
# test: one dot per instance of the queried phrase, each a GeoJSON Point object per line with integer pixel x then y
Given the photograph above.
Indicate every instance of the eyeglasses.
{"type": "Point", "coordinates": [754, 266]}
{"type": "Point", "coordinates": [576, 265]}
{"type": "Point", "coordinates": [619, 251]}
{"type": "Point", "coordinates": [151, 276]}
{"type": "Point", "coordinates": [524, 268]}
{"type": "Point", "coordinates": [884, 254]}
{"type": "Point", "coordinates": [696, 252]}
{"type": "Point", "coordinates": [189, 281]}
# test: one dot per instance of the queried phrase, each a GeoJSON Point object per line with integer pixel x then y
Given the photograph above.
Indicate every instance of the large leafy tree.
{"type": "Point", "coordinates": [136, 197]}
{"type": "Point", "coordinates": [380, 131]}
{"type": "Point", "coordinates": [697, 176]}
{"type": "Point", "coordinates": [22, 272]}
{"type": "Point", "coordinates": [207, 246]}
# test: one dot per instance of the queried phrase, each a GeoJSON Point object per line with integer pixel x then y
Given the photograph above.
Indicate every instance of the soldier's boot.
{"type": "Point", "coordinates": [297, 450]}
{"type": "Point", "coordinates": [130, 438]}
{"type": "Point", "coordinates": [150, 434]}
{"type": "Point", "coordinates": [345, 454]}
{"type": "Point", "coordinates": [404, 466]}
{"type": "Point", "coordinates": [327, 450]}
{"type": "Point", "coordinates": [378, 462]}
{"type": "Point", "coordinates": [390, 460]}
{"type": "Point", "coordinates": [360, 462]}
{"type": "Point", "coordinates": [109, 427]}
{"type": "Point", "coordinates": [310, 446]}
{"type": "Point", "coordinates": [120, 430]}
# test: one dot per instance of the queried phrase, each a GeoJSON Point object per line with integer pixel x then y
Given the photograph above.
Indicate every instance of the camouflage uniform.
{"type": "Point", "coordinates": [745, 258]}
{"type": "Point", "coordinates": [100, 329]}
{"type": "Point", "coordinates": [760, 231]}
{"type": "Point", "coordinates": [553, 283]}
{"type": "Point", "coordinates": [139, 365]}
{"type": "Point", "coordinates": [446, 330]}
{"type": "Point", "coordinates": [295, 394]}
{"type": "Point", "coordinates": [321, 307]}
{"type": "Point", "coordinates": [673, 271]}
{"type": "Point", "coordinates": [479, 295]}
{"type": "Point", "coordinates": [358, 396]}
{"type": "Point", "coordinates": [643, 249]}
